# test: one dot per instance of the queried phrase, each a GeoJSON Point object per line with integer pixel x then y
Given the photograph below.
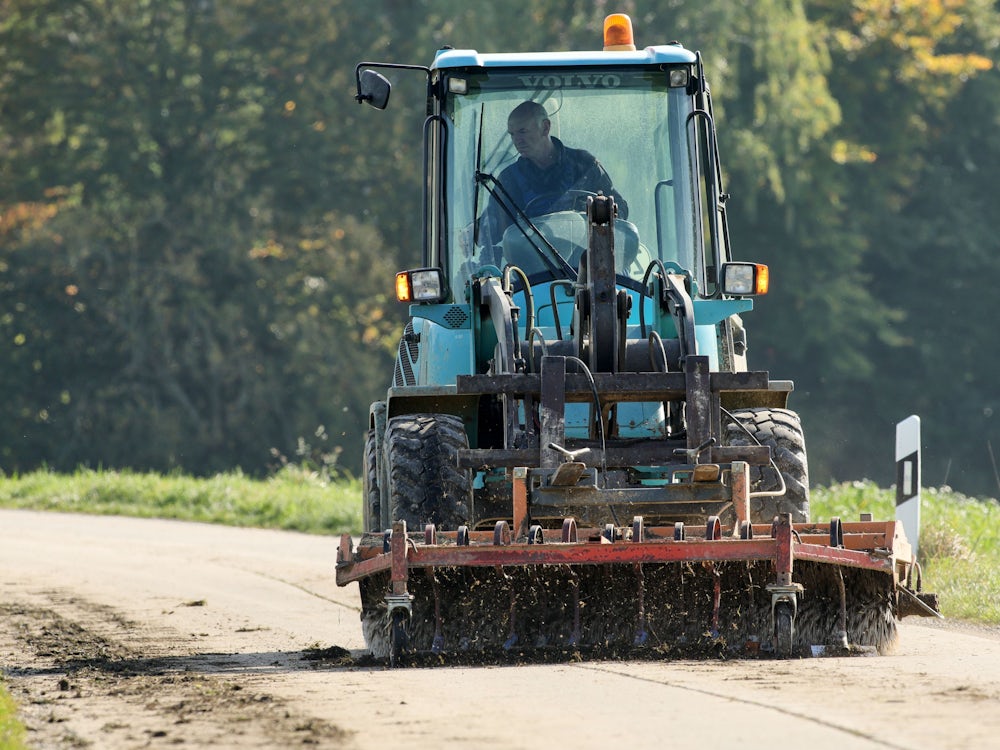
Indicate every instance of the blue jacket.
{"type": "Point", "coordinates": [541, 191]}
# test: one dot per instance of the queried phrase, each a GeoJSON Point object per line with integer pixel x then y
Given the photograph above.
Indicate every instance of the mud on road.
{"type": "Point", "coordinates": [122, 633]}
{"type": "Point", "coordinates": [85, 676]}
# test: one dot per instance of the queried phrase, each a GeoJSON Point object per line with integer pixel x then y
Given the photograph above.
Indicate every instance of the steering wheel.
{"type": "Point", "coordinates": [567, 200]}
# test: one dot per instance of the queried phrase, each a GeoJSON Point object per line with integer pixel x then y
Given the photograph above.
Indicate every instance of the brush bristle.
{"type": "Point", "coordinates": [489, 611]}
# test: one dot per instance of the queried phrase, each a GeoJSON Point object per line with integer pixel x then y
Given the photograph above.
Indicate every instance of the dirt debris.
{"type": "Point", "coordinates": [85, 676]}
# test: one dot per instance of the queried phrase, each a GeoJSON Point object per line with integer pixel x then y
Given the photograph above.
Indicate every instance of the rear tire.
{"type": "Point", "coordinates": [781, 430]}
{"type": "Point", "coordinates": [424, 482]}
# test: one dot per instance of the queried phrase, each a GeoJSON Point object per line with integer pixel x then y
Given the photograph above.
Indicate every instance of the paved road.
{"type": "Point", "coordinates": [122, 633]}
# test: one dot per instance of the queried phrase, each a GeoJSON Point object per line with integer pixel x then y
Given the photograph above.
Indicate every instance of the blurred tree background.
{"type": "Point", "coordinates": [199, 226]}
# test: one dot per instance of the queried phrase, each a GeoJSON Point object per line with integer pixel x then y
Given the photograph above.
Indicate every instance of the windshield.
{"type": "Point", "coordinates": [524, 151]}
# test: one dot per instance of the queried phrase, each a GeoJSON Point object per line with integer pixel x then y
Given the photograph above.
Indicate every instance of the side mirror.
{"type": "Point", "coordinates": [373, 88]}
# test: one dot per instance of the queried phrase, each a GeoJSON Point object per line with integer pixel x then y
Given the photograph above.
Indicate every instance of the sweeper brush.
{"type": "Point", "coordinates": [782, 590]}
{"type": "Point", "coordinates": [573, 456]}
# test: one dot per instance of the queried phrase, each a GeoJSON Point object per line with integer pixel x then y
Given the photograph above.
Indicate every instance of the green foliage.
{"type": "Point", "coordinates": [959, 545]}
{"type": "Point", "coordinates": [882, 255]}
{"type": "Point", "coordinates": [849, 499]}
{"type": "Point", "coordinates": [185, 291]}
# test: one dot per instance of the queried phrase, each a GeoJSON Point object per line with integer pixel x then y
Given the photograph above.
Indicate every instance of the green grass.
{"type": "Point", "coordinates": [294, 499]}
{"type": "Point", "coordinates": [959, 547]}
{"type": "Point", "coordinates": [11, 730]}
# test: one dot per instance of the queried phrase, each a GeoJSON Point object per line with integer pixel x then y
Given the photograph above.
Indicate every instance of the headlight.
{"type": "Point", "coordinates": [745, 279]}
{"type": "Point", "coordinates": [420, 285]}
{"type": "Point", "coordinates": [679, 77]}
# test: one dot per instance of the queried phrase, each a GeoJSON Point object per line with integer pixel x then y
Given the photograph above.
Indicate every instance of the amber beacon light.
{"type": "Point", "coordinates": [618, 33]}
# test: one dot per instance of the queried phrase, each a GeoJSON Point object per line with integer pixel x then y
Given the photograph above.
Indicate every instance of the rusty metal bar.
{"type": "Point", "coordinates": [740, 474]}
{"type": "Point", "coordinates": [783, 559]}
{"type": "Point", "coordinates": [355, 571]}
{"type": "Point", "coordinates": [659, 548]}
{"type": "Point", "coordinates": [844, 557]}
{"type": "Point", "coordinates": [397, 554]}
{"type": "Point", "coordinates": [592, 553]}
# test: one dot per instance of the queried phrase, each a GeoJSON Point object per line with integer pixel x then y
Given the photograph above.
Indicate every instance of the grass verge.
{"type": "Point", "coordinates": [11, 730]}
{"type": "Point", "coordinates": [959, 547]}
{"type": "Point", "coordinates": [293, 499]}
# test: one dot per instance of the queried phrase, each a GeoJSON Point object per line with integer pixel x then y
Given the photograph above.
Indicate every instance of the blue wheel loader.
{"type": "Point", "coordinates": [573, 455]}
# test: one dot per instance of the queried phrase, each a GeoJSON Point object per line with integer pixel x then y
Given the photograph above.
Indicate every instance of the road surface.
{"type": "Point", "coordinates": [127, 633]}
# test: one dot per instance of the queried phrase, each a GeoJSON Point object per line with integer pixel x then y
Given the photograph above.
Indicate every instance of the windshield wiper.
{"type": "Point", "coordinates": [546, 250]}
{"type": "Point", "coordinates": [479, 161]}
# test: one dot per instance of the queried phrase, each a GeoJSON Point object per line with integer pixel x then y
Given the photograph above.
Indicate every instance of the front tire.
{"type": "Point", "coordinates": [424, 482]}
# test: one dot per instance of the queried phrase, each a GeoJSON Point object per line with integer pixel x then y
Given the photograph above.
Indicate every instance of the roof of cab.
{"type": "Point", "coordinates": [469, 58]}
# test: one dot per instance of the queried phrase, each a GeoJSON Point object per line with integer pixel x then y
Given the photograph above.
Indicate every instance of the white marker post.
{"type": "Point", "coordinates": [908, 478]}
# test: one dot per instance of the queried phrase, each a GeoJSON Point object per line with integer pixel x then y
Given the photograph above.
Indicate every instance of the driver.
{"type": "Point", "coordinates": [545, 171]}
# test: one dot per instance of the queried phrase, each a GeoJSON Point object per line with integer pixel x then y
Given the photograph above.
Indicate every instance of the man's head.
{"type": "Point", "coordinates": [528, 125]}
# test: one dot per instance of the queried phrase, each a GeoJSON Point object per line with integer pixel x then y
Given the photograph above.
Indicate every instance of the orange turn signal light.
{"type": "Point", "coordinates": [403, 292]}
{"type": "Point", "coordinates": [618, 33]}
{"type": "Point", "coordinates": [763, 279]}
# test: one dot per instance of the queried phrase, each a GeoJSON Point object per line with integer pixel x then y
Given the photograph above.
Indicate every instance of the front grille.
{"type": "Point", "coordinates": [409, 349]}
{"type": "Point", "coordinates": [456, 317]}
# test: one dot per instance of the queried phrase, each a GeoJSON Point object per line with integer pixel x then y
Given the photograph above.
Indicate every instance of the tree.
{"type": "Point", "coordinates": [202, 139]}
{"type": "Point", "coordinates": [904, 73]}
{"type": "Point", "coordinates": [198, 226]}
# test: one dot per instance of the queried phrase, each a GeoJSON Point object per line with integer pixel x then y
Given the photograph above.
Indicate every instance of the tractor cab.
{"type": "Point", "coordinates": [644, 116]}
{"type": "Point", "coordinates": [634, 113]}
{"type": "Point", "coordinates": [635, 121]}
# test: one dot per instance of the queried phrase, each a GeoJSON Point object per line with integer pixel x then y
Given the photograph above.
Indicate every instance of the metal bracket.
{"type": "Point", "coordinates": [785, 593]}
{"type": "Point", "coordinates": [399, 601]}
{"type": "Point", "coordinates": [567, 474]}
